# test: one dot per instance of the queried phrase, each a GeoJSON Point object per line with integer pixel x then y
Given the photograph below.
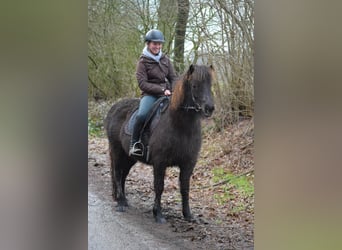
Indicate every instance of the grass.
{"type": "Point", "coordinates": [235, 187]}
{"type": "Point", "coordinates": [95, 127]}
{"type": "Point", "coordinates": [96, 114]}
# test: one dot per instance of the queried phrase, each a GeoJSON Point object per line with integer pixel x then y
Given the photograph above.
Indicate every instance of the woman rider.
{"type": "Point", "coordinates": [155, 75]}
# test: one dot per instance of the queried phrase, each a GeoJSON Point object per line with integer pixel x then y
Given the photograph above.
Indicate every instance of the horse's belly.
{"type": "Point", "coordinates": [174, 152]}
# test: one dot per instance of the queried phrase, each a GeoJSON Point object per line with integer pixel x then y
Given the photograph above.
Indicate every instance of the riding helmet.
{"type": "Point", "coordinates": [154, 36]}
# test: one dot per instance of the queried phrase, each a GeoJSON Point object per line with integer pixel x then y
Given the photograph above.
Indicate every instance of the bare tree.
{"type": "Point", "coordinates": [115, 41]}
{"type": "Point", "coordinates": [182, 18]}
{"type": "Point", "coordinates": [218, 32]}
{"type": "Point", "coordinates": [167, 17]}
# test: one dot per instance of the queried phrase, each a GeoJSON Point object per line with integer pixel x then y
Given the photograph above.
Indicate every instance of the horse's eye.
{"type": "Point", "coordinates": [194, 86]}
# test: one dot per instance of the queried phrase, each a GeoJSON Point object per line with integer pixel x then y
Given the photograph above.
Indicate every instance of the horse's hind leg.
{"type": "Point", "coordinates": [112, 172]}
{"type": "Point", "coordinates": [120, 167]}
{"type": "Point", "coordinates": [127, 165]}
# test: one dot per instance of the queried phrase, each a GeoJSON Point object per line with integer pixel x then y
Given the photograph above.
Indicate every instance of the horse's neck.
{"type": "Point", "coordinates": [182, 119]}
{"type": "Point", "coordinates": [180, 116]}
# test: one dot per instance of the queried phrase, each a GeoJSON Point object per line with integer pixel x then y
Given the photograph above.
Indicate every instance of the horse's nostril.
{"type": "Point", "coordinates": [208, 109]}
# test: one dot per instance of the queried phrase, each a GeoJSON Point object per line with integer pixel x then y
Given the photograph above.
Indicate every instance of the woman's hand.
{"type": "Point", "coordinates": [167, 92]}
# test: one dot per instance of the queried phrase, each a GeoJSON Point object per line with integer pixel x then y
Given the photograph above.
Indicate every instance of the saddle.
{"type": "Point", "coordinates": [150, 123]}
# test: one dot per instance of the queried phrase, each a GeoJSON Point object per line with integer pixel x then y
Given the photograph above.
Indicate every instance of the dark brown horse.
{"type": "Point", "coordinates": [175, 141]}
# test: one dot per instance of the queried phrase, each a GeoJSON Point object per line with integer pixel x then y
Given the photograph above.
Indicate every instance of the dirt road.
{"type": "Point", "coordinates": [110, 230]}
{"type": "Point", "coordinates": [136, 229]}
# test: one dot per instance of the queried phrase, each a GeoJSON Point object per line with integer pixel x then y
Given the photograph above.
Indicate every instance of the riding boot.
{"type": "Point", "coordinates": [136, 147]}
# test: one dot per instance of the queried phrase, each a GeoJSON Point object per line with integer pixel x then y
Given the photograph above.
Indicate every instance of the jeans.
{"type": "Point", "coordinates": [145, 106]}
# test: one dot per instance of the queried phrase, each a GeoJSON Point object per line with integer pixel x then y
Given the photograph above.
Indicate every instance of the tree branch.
{"type": "Point", "coordinates": [226, 181]}
{"type": "Point", "coordinates": [96, 87]}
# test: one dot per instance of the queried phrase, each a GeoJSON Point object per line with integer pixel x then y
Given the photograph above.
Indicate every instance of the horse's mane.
{"type": "Point", "coordinates": [177, 95]}
{"type": "Point", "coordinates": [195, 72]}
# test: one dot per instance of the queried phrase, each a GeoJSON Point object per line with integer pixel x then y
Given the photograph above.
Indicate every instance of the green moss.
{"type": "Point", "coordinates": [232, 187]}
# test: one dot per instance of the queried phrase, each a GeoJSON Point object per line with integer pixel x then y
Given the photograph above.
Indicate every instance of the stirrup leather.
{"type": "Point", "coordinates": [137, 149]}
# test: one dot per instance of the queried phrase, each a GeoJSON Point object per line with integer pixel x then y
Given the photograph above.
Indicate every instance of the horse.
{"type": "Point", "coordinates": [175, 141]}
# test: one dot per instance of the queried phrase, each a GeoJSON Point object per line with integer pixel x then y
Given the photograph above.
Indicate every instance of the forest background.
{"type": "Point", "coordinates": [214, 32]}
{"type": "Point", "coordinates": [217, 32]}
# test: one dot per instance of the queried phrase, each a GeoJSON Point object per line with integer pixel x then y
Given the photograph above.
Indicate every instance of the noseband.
{"type": "Point", "coordinates": [197, 107]}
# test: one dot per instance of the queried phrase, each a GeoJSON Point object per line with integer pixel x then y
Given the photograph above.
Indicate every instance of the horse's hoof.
{"type": "Point", "coordinates": [191, 219]}
{"type": "Point", "coordinates": [120, 209]}
{"type": "Point", "coordinates": [160, 220]}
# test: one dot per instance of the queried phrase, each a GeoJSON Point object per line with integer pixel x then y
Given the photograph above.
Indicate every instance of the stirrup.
{"type": "Point", "coordinates": [137, 149]}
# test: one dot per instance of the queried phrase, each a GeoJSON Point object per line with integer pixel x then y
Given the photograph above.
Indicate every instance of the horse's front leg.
{"type": "Point", "coordinates": [184, 182]}
{"type": "Point", "coordinates": [159, 174]}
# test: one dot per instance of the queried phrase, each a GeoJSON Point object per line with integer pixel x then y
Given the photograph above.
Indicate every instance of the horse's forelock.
{"type": "Point", "coordinates": [202, 73]}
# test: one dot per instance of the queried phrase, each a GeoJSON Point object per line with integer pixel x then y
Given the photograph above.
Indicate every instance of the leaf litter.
{"type": "Point", "coordinates": [224, 215]}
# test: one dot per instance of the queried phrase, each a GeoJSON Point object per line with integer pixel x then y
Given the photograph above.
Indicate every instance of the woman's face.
{"type": "Point", "coordinates": [154, 47]}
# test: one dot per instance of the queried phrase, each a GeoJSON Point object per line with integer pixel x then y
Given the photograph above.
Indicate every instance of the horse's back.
{"type": "Point", "coordinates": [117, 115]}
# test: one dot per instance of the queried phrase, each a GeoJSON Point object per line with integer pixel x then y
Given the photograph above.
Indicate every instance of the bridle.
{"type": "Point", "coordinates": [197, 107]}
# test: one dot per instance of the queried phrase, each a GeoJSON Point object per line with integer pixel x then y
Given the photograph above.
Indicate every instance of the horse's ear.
{"type": "Point", "coordinates": [212, 71]}
{"type": "Point", "coordinates": [191, 69]}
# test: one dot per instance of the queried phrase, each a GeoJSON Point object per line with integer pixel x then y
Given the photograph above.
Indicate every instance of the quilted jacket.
{"type": "Point", "coordinates": [155, 77]}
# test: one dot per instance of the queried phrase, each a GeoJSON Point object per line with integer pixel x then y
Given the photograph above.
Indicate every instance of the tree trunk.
{"type": "Point", "coordinates": [182, 18]}
{"type": "Point", "coordinates": [167, 17]}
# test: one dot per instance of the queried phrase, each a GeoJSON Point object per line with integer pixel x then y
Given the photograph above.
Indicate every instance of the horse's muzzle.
{"type": "Point", "coordinates": [208, 110]}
